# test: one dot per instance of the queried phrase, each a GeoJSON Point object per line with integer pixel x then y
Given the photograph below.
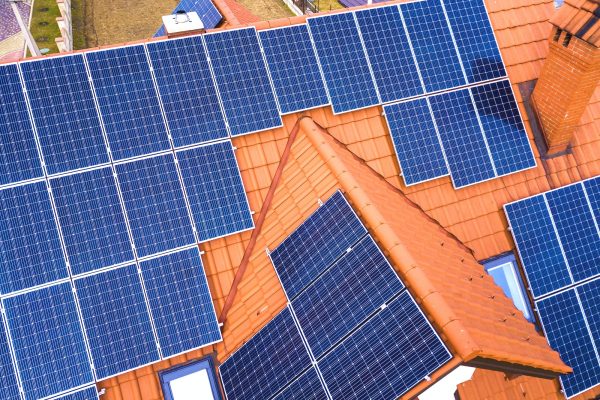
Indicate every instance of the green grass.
{"type": "Point", "coordinates": [44, 28]}
{"type": "Point", "coordinates": [328, 5]}
{"type": "Point", "coordinates": [78, 20]}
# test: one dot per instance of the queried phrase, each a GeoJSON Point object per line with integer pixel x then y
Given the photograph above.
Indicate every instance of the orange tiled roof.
{"type": "Point", "coordinates": [235, 13]}
{"type": "Point", "coordinates": [580, 18]}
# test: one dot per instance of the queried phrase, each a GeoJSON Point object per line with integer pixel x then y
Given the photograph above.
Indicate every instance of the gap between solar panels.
{"type": "Point", "coordinates": [558, 240]}
{"type": "Point", "coordinates": [350, 330]}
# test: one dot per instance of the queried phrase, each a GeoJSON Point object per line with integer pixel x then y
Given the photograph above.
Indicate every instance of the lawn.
{"type": "Point", "coordinates": [44, 28]}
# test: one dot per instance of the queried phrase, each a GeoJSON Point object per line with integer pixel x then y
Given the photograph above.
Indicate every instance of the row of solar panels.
{"type": "Point", "coordinates": [474, 134]}
{"type": "Point", "coordinates": [72, 333]}
{"type": "Point", "coordinates": [558, 239]}
{"type": "Point", "coordinates": [206, 10]}
{"type": "Point", "coordinates": [350, 331]}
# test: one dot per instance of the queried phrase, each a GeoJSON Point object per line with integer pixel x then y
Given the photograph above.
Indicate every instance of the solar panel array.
{"type": "Point", "coordinates": [206, 10]}
{"type": "Point", "coordinates": [558, 238]}
{"type": "Point", "coordinates": [348, 315]}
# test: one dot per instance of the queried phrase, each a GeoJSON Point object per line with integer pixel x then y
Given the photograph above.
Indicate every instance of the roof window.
{"type": "Point", "coordinates": [190, 381]}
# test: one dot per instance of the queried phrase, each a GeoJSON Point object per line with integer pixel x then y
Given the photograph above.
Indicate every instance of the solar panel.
{"type": "Point", "coordinates": [307, 387]}
{"type": "Point", "coordinates": [155, 205]}
{"type": "Point", "coordinates": [215, 190]}
{"type": "Point", "coordinates": [66, 119]}
{"type": "Point", "coordinates": [579, 235]}
{"type": "Point", "coordinates": [249, 103]}
{"type": "Point", "coordinates": [89, 393]}
{"type": "Point", "coordinates": [344, 62]}
{"type": "Point", "coordinates": [128, 101]}
{"type": "Point", "coordinates": [416, 141]}
{"type": "Point", "coordinates": [538, 245]}
{"type": "Point", "coordinates": [592, 189]}
{"type": "Point", "coordinates": [464, 145]}
{"type": "Point", "coordinates": [385, 357]}
{"type": "Point", "coordinates": [9, 387]}
{"type": "Point", "coordinates": [180, 302]}
{"type": "Point", "coordinates": [315, 244]}
{"type": "Point", "coordinates": [588, 296]}
{"type": "Point", "coordinates": [116, 321]}
{"type": "Point", "coordinates": [48, 341]}
{"type": "Point", "coordinates": [30, 248]}
{"type": "Point", "coordinates": [208, 13]}
{"type": "Point", "coordinates": [267, 362]}
{"type": "Point", "coordinates": [437, 57]}
{"type": "Point", "coordinates": [503, 127]}
{"type": "Point", "coordinates": [389, 53]}
{"type": "Point", "coordinates": [92, 221]}
{"type": "Point", "coordinates": [566, 331]}
{"type": "Point", "coordinates": [294, 68]}
{"type": "Point", "coordinates": [342, 297]}
{"type": "Point", "coordinates": [187, 91]}
{"type": "Point", "coordinates": [475, 39]}
{"type": "Point", "coordinates": [19, 158]}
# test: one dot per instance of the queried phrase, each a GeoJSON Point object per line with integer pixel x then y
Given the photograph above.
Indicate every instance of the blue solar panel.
{"type": "Point", "coordinates": [592, 188]}
{"type": "Point", "coordinates": [588, 294]}
{"type": "Point", "coordinates": [267, 362]}
{"type": "Point", "coordinates": [294, 68]}
{"type": "Point", "coordinates": [306, 387]}
{"type": "Point", "coordinates": [317, 243]}
{"type": "Point", "coordinates": [116, 321]}
{"type": "Point", "coordinates": [434, 49]}
{"type": "Point", "coordinates": [344, 62]}
{"type": "Point", "coordinates": [243, 82]}
{"type": "Point", "coordinates": [9, 387]}
{"type": "Point", "coordinates": [89, 393]}
{"type": "Point", "coordinates": [215, 190]}
{"type": "Point", "coordinates": [504, 130]}
{"type": "Point", "coordinates": [187, 90]}
{"type": "Point", "coordinates": [92, 221]}
{"type": "Point", "coordinates": [475, 39]}
{"type": "Point", "coordinates": [48, 341]}
{"type": "Point", "coordinates": [128, 101]}
{"type": "Point", "coordinates": [416, 141]}
{"type": "Point", "coordinates": [208, 13]}
{"type": "Point", "coordinates": [577, 230]}
{"type": "Point", "coordinates": [19, 158]}
{"type": "Point", "coordinates": [180, 302]}
{"type": "Point", "coordinates": [345, 295]}
{"type": "Point", "coordinates": [389, 53]}
{"type": "Point", "coordinates": [155, 205]}
{"type": "Point", "coordinates": [66, 119]}
{"type": "Point", "coordinates": [538, 245]}
{"type": "Point", "coordinates": [463, 142]}
{"type": "Point", "coordinates": [567, 333]}
{"type": "Point", "coordinates": [385, 357]}
{"type": "Point", "coordinates": [30, 248]}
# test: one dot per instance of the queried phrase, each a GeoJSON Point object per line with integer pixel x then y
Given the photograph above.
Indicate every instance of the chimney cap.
{"type": "Point", "coordinates": [182, 22]}
{"type": "Point", "coordinates": [580, 18]}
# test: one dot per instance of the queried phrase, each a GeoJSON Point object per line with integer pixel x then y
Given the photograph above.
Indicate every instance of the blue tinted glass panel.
{"type": "Point", "coordinates": [9, 389]}
{"type": "Point", "coordinates": [577, 230]}
{"type": "Point", "coordinates": [432, 43]}
{"type": "Point", "coordinates": [464, 145]}
{"type": "Point", "coordinates": [385, 357]}
{"type": "Point", "coordinates": [92, 220]}
{"type": "Point", "coordinates": [416, 141]}
{"type": "Point", "coordinates": [538, 245]}
{"type": "Point", "coordinates": [64, 112]}
{"type": "Point", "coordinates": [267, 362]}
{"type": "Point", "coordinates": [475, 39]}
{"type": "Point", "coordinates": [389, 53]}
{"type": "Point", "coordinates": [344, 62]}
{"type": "Point", "coordinates": [48, 341]}
{"type": "Point", "coordinates": [128, 101]}
{"type": "Point", "coordinates": [294, 68]}
{"type": "Point", "coordinates": [566, 332]}
{"type": "Point", "coordinates": [243, 81]}
{"type": "Point", "coordinates": [214, 187]}
{"type": "Point", "coordinates": [180, 302]}
{"type": "Point", "coordinates": [19, 158]}
{"type": "Point", "coordinates": [29, 243]}
{"type": "Point", "coordinates": [588, 293]}
{"type": "Point", "coordinates": [89, 393]}
{"type": "Point", "coordinates": [592, 188]}
{"type": "Point", "coordinates": [187, 90]}
{"type": "Point", "coordinates": [345, 295]}
{"type": "Point", "coordinates": [307, 387]}
{"type": "Point", "coordinates": [155, 205]}
{"type": "Point", "coordinates": [318, 242]}
{"type": "Point", "coordinates": [504, 130]}
{"type": "Point", "coordinates": [116, 321]}
{"type": "Point", "coordinates": [208, 13]}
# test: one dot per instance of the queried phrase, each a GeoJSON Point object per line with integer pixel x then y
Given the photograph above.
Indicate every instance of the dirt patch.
{"type": "Point", "coordinates": [267, 9]}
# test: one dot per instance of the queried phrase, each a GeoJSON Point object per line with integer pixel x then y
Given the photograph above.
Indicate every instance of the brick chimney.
{"type": "Point", "coordinates": [570, 73]}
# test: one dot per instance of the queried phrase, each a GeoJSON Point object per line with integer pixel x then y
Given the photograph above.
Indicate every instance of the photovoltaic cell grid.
{"type": "Point", "coordinates": [89, 393]}
{"type": "Point", "coordinates": [9, 387]}
{"type": "Point", "coordinates": [206, 10]}
{"type": "Point", "coordinates": [356, 318]}
{"type": "Point", "coordinates": [474, 133]}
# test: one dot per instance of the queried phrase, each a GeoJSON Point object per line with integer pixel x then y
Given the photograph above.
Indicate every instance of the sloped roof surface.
{"type": "Point", "coordinates": [580, 18]}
